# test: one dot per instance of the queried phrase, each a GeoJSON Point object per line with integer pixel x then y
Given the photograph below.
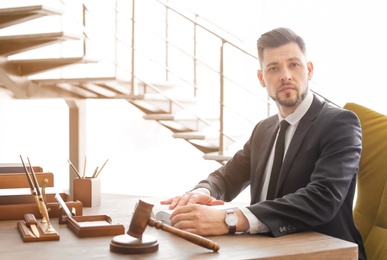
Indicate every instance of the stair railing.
{"type": "Point", "coordinates": [221, 74]}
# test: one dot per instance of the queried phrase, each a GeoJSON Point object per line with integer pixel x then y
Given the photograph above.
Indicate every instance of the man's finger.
{"type": "Point", "coordinates": [166, 202]}
{"type": "Point", "coordinates": [216, 202]}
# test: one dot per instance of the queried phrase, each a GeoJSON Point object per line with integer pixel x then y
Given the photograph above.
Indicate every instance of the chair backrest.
{"type": "Point", "coordinates": [370, 211]}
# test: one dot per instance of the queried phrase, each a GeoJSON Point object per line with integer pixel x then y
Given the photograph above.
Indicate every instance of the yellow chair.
{"type": "Point", "coordinates": [370, 211]}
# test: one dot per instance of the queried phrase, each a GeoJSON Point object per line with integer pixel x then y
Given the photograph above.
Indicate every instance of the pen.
{"type": "Point", "coordinates": [96, 175]}
{"type": "Point", "coordinates": [95, 172]}
{"type": "Point", "coordinates": [84, 169]}
{"type": "Point", "coordinates": [32, 186]}
{"type": "Point", "coordinates": [75, 170]}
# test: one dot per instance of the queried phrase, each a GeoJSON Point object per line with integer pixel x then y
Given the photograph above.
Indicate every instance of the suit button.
{"type": "Point", "coordinates": [283, 229]}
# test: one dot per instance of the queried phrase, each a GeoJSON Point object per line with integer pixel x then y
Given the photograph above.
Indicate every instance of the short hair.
{"type": "Point", "coordinates": [276, 38]}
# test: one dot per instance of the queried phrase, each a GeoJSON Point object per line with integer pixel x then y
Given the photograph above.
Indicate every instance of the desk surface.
{"type": "Point", "coordinates": [307, 245]}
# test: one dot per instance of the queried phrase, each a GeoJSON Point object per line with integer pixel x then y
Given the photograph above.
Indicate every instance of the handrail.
{"type": "Point", "coordinates": [170, 43]}
{"type": "Point", "coordinates": [221, 67]}
{"type": "Point", "coordinates": [133, 49]}
{"type": "Point", "coordinates": [204, 27]}
{"type": "Point", "coordinates": [196, 60]}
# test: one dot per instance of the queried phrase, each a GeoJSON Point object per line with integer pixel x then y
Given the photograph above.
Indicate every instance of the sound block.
{"type": "Point", "coordinates": [125, 244]}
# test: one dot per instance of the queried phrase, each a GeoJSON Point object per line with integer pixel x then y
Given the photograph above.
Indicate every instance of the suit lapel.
{"type": "Point", "coordinates": [299, 136]}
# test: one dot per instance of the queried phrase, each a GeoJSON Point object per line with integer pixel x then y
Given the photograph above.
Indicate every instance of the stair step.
{"type": "Point", "coordinates": [114, 87]}
{"type": "Point", "coordinates": [180, 116]}
{"type": "Point", "coordinates": [13, 44]}
{"type": "Point", "coordinates": [74, 91]}
{"type": "Point", "coordinates": [190, 135]}
{"type": "Point", "coordinates": [52, 81]}
{"type": "Point", "coordinates": [97, 90]}
{"type": "Point", "coordinates": [103, 87]}
{"type": "Point", "coordinates": [174, 126]}
{"type": "Point", "coordinates": [163, 117]}
{"type": "Point", "coordinates": [219, 157]}
{"type": "Point", "coordinates": [204, 146]}
{"type": "Point", "coordinates": [199, 135]}
{"type": "Point", "coordinates": [32, 66]}
{"type": "Point", "coordinates": [146, 107]}
{"type": "Point", "coordinates": [15, 15]}
{"type": "Point", "coordinates": [168, 104]}
{"type": "Point", "coordinates": [187, 121]}
{"type": "Point", "coordinates": [109, 83]}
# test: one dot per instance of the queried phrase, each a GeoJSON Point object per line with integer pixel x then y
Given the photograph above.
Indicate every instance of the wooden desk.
{"type": "Point", "coordinates": [308, 245]}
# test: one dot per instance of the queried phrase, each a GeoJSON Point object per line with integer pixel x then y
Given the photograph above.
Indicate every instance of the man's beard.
{"type": "Point", "coordinates": [291, 103]}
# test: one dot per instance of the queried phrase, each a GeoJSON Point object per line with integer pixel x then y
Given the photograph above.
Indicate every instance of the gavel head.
{"type": "Point", "coordinates": [140, 219]}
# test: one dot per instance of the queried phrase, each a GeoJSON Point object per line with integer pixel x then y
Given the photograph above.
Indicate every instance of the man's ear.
{"type": "Point", "coordinates": [310, 70]}
{"type": "Point", "coordinates": [260, 77]}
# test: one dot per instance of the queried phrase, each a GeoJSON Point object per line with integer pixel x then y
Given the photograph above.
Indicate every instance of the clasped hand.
{"type": "Point", "coordinates": [192, 214]}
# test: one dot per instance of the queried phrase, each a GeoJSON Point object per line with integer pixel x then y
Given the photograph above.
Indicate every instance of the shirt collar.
{"type": "Point", "coordinates": [300, 111]}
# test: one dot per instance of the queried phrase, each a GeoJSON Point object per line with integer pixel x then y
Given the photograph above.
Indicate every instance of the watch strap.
{"type": "Point", "coordinates": [231, 229]}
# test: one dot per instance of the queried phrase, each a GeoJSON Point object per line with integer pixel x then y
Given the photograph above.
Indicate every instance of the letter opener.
{"type": "Point", "coordinates": [31, 223]}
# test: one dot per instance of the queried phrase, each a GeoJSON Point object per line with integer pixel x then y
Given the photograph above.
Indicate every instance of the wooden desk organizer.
{"type": "Point", "coordinates": [94, 226]}
{"type": "Point", "coordinates": [19, 180]}
{"type": "Point", "coordinates": [16, 206]}
{"type": "Point", "coordinates": [28, 236]}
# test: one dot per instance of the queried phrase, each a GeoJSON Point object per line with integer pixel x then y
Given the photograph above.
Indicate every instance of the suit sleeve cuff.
{"type": "Point", "coordinates": [256, 226]}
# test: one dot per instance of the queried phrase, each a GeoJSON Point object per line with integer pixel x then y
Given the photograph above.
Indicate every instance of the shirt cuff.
{"type": "Point", "coordinates": [256, 226]}
{"type": "Point", "coordinates": [202, 191]}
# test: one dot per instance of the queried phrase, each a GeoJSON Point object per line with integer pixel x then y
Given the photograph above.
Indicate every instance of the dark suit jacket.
{"type": "Point", "coordinates": [317, 180]}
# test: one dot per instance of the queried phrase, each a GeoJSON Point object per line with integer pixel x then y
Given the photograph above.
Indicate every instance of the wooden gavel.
{"type": "Point", "coordinates": [141, 219]}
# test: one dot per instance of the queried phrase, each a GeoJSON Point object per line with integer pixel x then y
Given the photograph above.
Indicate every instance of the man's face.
{"type": "Point", "coordinates": [285, 74]}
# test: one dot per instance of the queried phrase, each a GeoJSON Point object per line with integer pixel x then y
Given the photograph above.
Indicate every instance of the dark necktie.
{"type": "Point", "coordinates": [278, 158]}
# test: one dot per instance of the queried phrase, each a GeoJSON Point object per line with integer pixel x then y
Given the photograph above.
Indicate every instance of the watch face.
{"type": "Point", "coordinates": [231, 219]}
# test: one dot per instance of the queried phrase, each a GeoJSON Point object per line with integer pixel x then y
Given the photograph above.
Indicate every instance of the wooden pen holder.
{"type": "Point", "coordinates": [88, 191]}
{"type": "Point", "coordinates": [46, 234]}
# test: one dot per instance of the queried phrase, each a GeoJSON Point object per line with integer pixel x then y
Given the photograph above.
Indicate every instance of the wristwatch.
{"type": "Point", "coordinates": [231, 221]}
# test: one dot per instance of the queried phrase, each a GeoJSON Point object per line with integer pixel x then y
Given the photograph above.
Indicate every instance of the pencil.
{"type": "Point", "coordinates": [96, 175]}
{"type": "Point", "coordinates": [95, 172]}
{"type": "Point", "coordinates": [84, 169]}
{"type": "Point", "coordinates": [75, 170]}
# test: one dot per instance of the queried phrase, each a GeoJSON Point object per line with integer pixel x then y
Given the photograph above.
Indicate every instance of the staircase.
{"type": "Point", "coordinates": [190, 110]}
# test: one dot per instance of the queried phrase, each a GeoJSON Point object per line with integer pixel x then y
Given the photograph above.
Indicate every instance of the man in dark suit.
{"type": "Point", "coordinates": [316, 182]}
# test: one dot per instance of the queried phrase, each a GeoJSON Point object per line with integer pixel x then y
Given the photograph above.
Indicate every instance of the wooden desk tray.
{"type": "Point", "coordinates": [19, 180]}
{"type": "Point", "coordinates": [94, 226]}
{"type": "Point", "coordinates": [16, 206]}
{"type": "Point", "coordinates": [27, 235]}
{"type": "Point", "coordinates": [16, 168]}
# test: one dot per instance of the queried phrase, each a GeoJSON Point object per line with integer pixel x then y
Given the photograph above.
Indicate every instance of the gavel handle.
{"type": "Point", "coordinates": [196, 239]}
